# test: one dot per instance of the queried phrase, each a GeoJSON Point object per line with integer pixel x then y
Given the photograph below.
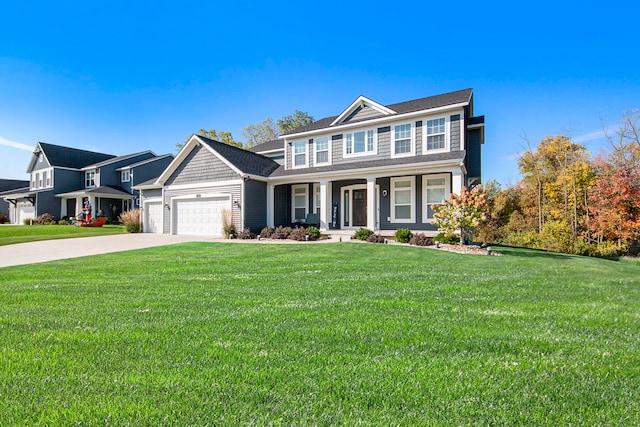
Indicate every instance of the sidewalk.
{"type": "Point", "coordinates": [51, 250]}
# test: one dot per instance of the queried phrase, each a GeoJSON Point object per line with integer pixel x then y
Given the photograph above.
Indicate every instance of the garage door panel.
{"type": "Point", "coordinates": [153, 217]}
{"type": "Point", "coordinates": [202, 216]}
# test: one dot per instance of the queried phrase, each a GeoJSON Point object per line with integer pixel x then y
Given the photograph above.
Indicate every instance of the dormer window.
{"type": "Point", "coordinates": [125, 176]}
{"type": "Point", "coordinates": [90, 179]}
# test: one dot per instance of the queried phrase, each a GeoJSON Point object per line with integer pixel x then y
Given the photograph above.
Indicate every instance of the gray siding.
{"type": "Point", "coordinates": [384, 148]}
{"type": "Point", "coordinates": [37, 165]}
{"type": "Point", "coordinates": [201, 166]}
{"type": "Point", "coordinates": [108, 174]}
{"type": "Point", "coordinates": [363, 113]}
{"type": "Point", "coordinates": [474, 153]}
{"type": "Point", "coordinates": [385, 208]}
{"type": "Point", "coordinates": [419, 147]}
{"type": "Point", "coordinates": [454, 127]}
{"type": "Point", "coordinates": [155, 192]}
{"type": "Point", "coordinates": [255, 200]}
{"type": "Point", "coordinates": [235, 190]}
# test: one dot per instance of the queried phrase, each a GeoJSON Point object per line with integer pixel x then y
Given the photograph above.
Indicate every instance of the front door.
{"type": "Point", "coordinates": [359, 208]}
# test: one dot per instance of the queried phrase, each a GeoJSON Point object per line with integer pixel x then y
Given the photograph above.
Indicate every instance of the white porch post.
{"type": "Point", "coordinates": [270, 204]}
{"type": "Point", "coordinates": [92, 202]}
{"type": "Point", "coordinates": [325, 209]}
{"type": "Point", "coordinates": [456, 181]}
{"type": "Point", "coordinates": [371, 203]}
{"type": "Point", "coordinates": [78, 205]}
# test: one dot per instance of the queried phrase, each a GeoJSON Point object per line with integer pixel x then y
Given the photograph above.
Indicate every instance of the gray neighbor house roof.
{"type": "Point", "coordinates": [246, 161]}
{"type": "Point", "coordinates": [71, 157]}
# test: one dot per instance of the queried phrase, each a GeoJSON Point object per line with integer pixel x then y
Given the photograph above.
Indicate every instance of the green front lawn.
{"type": "Point", "coordinates": [331, 334]}
{"type": "Point", "coordinates": [11, 234]}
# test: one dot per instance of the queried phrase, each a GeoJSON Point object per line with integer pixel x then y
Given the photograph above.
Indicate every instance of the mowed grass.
{"type": "Point", "coordinates": [12, 234]}
{"type": "Point", "coordinates": [332, 334]}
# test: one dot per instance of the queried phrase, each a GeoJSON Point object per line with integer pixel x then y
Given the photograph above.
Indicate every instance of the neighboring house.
{"type": "Point", "coordinates": [63, 179]}
{"type": "Point", "coordinates": [10, 186]}
{"type": "Point", "coordinates": [377, 166]}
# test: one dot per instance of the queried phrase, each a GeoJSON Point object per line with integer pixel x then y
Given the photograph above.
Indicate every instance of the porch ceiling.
{"type": "Point", "coordinates": [105, 191]}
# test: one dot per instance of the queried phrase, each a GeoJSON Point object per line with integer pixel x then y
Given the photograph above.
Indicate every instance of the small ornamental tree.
{"type": "Point", "coordinates": [462, 213]}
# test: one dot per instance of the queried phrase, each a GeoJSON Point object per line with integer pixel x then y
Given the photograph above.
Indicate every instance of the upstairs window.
{"type": "Point", "coordinates": [402, 140]}
{"type": "Point", "coordinates": [300, 154]}
{"type": "Point", "coordinates": [38, 181]}
{"type": "Point", "coordinates": [358, 143]}
{"type": "Point", "coordinates": [435, 134]}
{"type": "Point", "coordinates": [322, 150]}
{"type": "Point", "coordinates": [46, 181]}
{"type": "Point", "coordinates": [125, 176]}
{"type": "Point", "coordinates": [90, 179]}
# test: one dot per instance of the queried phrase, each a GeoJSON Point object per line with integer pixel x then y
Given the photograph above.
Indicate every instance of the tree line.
{"type": "Point", "coordinates": [567, 201]}
{"type": "Point", "coordinates": [257, 133]}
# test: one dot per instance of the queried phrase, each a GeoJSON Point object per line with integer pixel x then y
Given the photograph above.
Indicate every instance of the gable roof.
{"type": "Point", "coordinates": [429, 102]}
{"type": "Point", "coordinates": [246, 162]}
{"type": "Point", "coordinates": [12, 184]}
{"type": "Point", "coordinates": [144, 162]}
{"type": "Point", "coordinates": [68, 157]}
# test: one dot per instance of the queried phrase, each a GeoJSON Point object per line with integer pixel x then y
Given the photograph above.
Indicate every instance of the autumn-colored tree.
{"type": "Point", "coordinates": [614, 202]}
{"type": "Point", "coordinates": [501, 205]}
{"type": "Point", "coordinates": [462, 213]}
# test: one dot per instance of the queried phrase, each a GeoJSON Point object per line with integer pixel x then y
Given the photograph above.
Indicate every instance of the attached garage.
{"type": "Point", "coordinates": [153, 217]}
{"type": "Point", "coordinates": [199, 215]}
{"type": "Point", "coordinates": [24, 210]}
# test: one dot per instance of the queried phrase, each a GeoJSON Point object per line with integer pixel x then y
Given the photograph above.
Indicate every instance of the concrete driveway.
{"type": "Point", "coordinates": [51, 250]}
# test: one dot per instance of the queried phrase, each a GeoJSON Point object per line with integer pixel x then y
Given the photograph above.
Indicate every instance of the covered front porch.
{"type": "Point", "coordinates": [108, 201]}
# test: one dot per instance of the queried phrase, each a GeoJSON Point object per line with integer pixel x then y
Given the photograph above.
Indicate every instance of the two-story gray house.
{"type": "Point", "coordinates": [64, 179]}
{"type": "Point", "coordinates": [376, 166]}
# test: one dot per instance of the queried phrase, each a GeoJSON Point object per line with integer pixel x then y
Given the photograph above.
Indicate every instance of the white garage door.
{"type": "Point", "coordinates": [24, 212]}
{"type": "Point", "coordinates": [200, 216]}
{"type": "Point", "coordinates": [153, 217]}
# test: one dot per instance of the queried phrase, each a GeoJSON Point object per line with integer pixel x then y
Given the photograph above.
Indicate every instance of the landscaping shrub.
{"type": "Point", "coordinates": [403, 235]}
{"type": "Point", "coordinates": [45, 219]}
{"type": "Point", "coordinates": [375, 238]}
{"type": "Point", "coordinates": [313, 232]}
{"type": "Point", "coordinates": [421, 239]}
{"type": "Point", "coordinates": [281, 232]}
{"type": "Point", "coordinates": [28, 221]}
{"type": "Point", "coordinates": [63, 222]}
{"type": "Point", "coordinates": [363, 233]}
{"type": "Point", "coordinates": [4, 219]}
{"type": "Point", "coordinates": [266, 232]}
{"type": "Point", "coordinates": [246, 234]}
{"type": "Point", "coordinates": [300, 234]}
{"type": "Point", "coordinates": [610, 250]}
{"type": "Point", "coordinates": [523, 239]}
{"type": "Point", "coordinates": [556, 236]}
{"type": "Point", "coordinates": [131, 220]}
{"type": "Point", "coordinates": [228, 227]}
{"type": "Point", "coordinates": [447, 238]}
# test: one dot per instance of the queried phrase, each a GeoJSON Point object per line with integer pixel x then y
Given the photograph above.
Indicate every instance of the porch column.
{"type": "Point", "coordinates": [270, 204]}
{"type": "Point", "coordinates": [63, 207]}
{"type": "Point", "coordinates": [325, 209]}
{"type": "Point", "coordinates": [371, 203]}
{"type": "Point", "coordinates": [456, 181]}
{"type": "Point", "coordinates": [78, 205]}
{"type": "Point", "coordinates": [92, 201]}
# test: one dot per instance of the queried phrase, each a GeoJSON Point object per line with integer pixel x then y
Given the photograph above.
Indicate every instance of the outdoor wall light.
{"type": "Point", "coordinates": [236, 203]}
{"type": "Point", "coordinates": [166, 205]}
{"type": "Point", "coordinates": [384, 193]}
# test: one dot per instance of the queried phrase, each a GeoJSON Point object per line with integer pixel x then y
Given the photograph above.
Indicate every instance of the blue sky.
{"type": "Point", "coordinates": [122, 76]}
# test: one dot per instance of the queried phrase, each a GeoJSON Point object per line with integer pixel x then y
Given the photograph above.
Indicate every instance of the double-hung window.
{"type": "Point", "coordinates": [358, 143]}
{"type": "Point", "coordinates": [435, 188]}
{"type": "Point", "coordinates": [300, 201]}
{"type": "Point", "coordinates": [90, 179]}
{"type": "Point", "coordinates": [322, 150]}
{"type": "Point", "coordinates": [299, 154]}
{"type": "Point", "coordinates": [402, 140]}
{"type": "Point", "coordinates": [435, 134]}
{"type": "Point", "coordinates": [38, 181]}
{"type": "Point", "coordinates": [316, 198]}
{"type": "Point", "coordinates": [402, 199]}
{"type": "Point", "coordinates": [125, 176]}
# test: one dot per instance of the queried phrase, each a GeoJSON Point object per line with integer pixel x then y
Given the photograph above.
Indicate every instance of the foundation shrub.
{"type": "Point", "coordinates": [228, 227]}
{"type": "Point", "coordinates": [246, 234]}
{"type": "Point", "coordinates": [363, 233]}
{"type": "Point", "coordinates": [375, 238]}
{"type": "Point", "coordinates": [266, 232]}
{"type": "Point", "coordinates": [420, 239]}
{"type": "Point", "coordinates": [403, 235]}
{"type": "Point", "coordinates": [4, 219]}
{"type": "Point", "coordinates": [131, 220]}
{"type": "Point", "coordinates": [281, 232]}
{"type": "Point", "coordinates": [314, 233]}
{"type": "Point", "coordinates": [45, 219]}
{"type": "Point", "coordinates": [447, 238]}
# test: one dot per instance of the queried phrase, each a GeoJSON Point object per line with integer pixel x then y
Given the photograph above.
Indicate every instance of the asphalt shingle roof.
{"type": "Point", "coordinates": [276, 144]}
{"type": "Point", "coordinates": [426, 103]}
{"type": "Point", "coordinates": [12, 184]}
{"type": "Point", "coordinates": [71, 157]}
{"type": "Point", "coordinates": [246, 161]}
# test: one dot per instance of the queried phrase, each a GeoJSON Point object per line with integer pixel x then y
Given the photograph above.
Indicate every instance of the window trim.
{"type": "Point", "coordinates": [316, 151]}
{"type": "Point", "coordinates": [128, 175]}
{"type": "Point", "coordinates": [317, 202]}
{"type": "Point", "coordinates": [92, 174]}
{"type": "Point", "coordinates": [446, 133]}
{"type": "Point", "coordinates": [293, 201]}
{"type": "Point", "coordinates": [373, 152]}
{"type": "Point", "coordinates": [304, 143]}
{"type": "Point", "coordinates": [425, 188]}
{"type": "Point", "coordinates": [412, 205]}
{"type": "Point", "coordinates": [412, 140]}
